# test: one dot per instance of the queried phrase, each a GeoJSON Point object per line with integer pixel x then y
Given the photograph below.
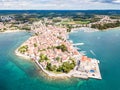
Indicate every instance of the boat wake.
{"type": "Point", "coordinates": [92, 52]}
{"type": "Point", "coordinates": [83, 52]}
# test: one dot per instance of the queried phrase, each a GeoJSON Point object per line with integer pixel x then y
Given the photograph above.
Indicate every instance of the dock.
{"type": "Point", "coordinates": [97, 74]}
{"type": "Point", "coordinates": [87, 69]}
{"type": "Point", "coordinates": [78, 44]}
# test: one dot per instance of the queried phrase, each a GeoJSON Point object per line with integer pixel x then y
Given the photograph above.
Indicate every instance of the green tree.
{"type": "Point", "coordinates": [43, 58]}
{"type": "Point", "coordinates": [23, 49]}
{"type": "Point", "coordinates": [50, 67]}
{"type": "Point", "coordinates": [62, 47]}
{"type": "Point", "coordinates": [35, 45]}
{"type": "Point", "coordinates": [57, 58]}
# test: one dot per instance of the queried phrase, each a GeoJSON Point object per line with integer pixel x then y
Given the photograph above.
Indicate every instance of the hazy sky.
{"type": "Point", "coordinates": [60, 4]}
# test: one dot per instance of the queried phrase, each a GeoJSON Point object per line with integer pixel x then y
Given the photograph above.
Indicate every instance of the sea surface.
{"type": "Point", "coordinates": [17, 73]}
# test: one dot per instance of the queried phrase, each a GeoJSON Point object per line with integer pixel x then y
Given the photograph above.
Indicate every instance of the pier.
{"type": "Point", "coordinates": [87, 68]}
{"type": "Point", "coordinates": [78, 44]}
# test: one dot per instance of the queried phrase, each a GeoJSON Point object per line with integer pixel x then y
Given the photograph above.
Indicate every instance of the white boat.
{"type": "Point", "coordinates": [92, 52]}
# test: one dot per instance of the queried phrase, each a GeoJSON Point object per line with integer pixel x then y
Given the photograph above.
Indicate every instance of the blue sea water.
{"type": "Point", "coordinates": [17, 73]}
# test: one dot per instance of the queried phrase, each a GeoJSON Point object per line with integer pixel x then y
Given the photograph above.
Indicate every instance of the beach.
{"type": "Point", "coordinates": [10, 31]}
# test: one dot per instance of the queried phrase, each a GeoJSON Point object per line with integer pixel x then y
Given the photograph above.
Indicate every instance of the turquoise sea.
{"type": "Point", "coordinates": [17, 73]}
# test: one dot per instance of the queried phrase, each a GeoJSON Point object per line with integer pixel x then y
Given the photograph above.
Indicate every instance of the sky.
{"type": "Point", "coordinates": [59, 4]}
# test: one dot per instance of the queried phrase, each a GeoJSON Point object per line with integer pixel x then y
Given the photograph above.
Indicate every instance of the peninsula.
{"type": "Point", "coordinates": [49, 45]}
{"type": "Point", "coordinates": [50, 48]}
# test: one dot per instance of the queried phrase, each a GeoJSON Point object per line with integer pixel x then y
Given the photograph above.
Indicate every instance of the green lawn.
{"type": "Point", "coordinates": [82, 22]}
{"type": "Point", "coordinates": [75, 22]}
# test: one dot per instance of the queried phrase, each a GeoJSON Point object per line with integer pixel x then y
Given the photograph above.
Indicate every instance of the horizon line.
{"type": "Point", "coordinates": [61, 9]}
{"type": "Point", "coordinates": [58, 9]}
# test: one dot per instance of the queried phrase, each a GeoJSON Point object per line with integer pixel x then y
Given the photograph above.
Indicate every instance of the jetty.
{"type": "Point", "coordinates": [87, 68]}
{"type": "Point", "coordinates": [78, 44]}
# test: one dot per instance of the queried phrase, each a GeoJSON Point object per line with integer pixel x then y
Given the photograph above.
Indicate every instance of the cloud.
{"type": "Point", "coordinates": [103, 1]}
{"type": "Point", "coordinates": [59, 4]}
{"type": "Point", "coordinates": [116, 1]}
{"type": "Point", "coordinates": [107, 1]}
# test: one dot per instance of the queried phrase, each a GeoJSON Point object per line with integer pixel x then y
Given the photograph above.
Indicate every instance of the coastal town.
{"type": "Point", "coordinates": [10, 23]}
{"type": "Point", "coordinates": [88, 23]}
{"type": "Point", "coordinates": [59, 44]}
{"type": "Point", "coordinates": [50, 48]}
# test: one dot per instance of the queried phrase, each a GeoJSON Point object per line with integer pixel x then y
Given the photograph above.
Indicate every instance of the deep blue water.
{"type": "Point", "coordinates": [59, 12]}
{"type": "Point", "coordinates": [17, 73]}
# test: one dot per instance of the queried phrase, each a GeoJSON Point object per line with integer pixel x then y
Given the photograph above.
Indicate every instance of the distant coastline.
{"type": "Point", "coordinates": [10, 31]}
{"type": "Point", "coordinates": [85, 29]}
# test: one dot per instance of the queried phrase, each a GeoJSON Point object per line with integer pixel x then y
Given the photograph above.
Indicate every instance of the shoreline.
{"type": "Point", "coordinates": [21, 55]}
{"type": "Point", "coordinates": [111, 28]}
{"type": "Point", "coordinates": [60, 75]}
{"type": "Point", "coordinates": [48, 73]}
{"type": "Point", "coordinates": [92, 29]}
{"type": "Point", "coordinates": [85, 29]}
{"type": "Point", "coordinates": [11, 31]}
